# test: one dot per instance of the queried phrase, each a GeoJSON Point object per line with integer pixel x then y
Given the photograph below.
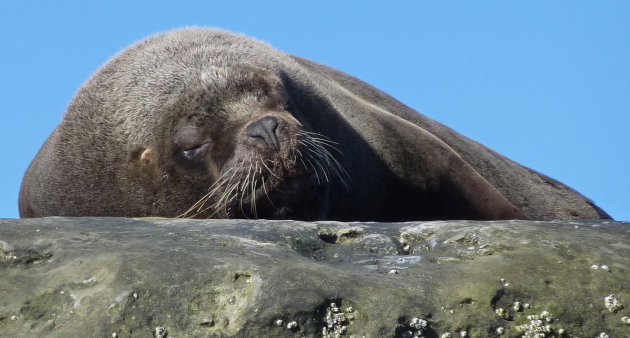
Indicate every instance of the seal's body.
{"type": "Point", "coordinates": [205, 123]}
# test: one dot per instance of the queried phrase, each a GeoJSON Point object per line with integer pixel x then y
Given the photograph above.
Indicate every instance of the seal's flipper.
{"type": "Point", "coordinates": [425, 161]}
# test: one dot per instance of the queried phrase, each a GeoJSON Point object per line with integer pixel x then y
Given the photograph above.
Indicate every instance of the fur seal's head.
{"type": "Point", "coordinates": [191, 123]}
{"type": "Point", "coordinates": [208, 124]}
{"type": "Point", "coordinates": [234, 145]}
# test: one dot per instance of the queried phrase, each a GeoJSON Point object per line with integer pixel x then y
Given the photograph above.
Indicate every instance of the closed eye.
{"type": "Point", "coordinates": [189, 154]}
{"type": "Point", "coordinates": [191, 148]}
{"type": "Point", "coordinates": [196, 153]}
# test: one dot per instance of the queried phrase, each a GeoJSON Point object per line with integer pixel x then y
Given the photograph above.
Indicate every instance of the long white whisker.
{"type": "Point", "coordinates": [268, 169]}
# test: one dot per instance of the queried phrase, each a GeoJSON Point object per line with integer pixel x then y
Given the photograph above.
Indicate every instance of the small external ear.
{"type": "Point", "coordinates": [147, 158]}
{"type": "Point", "coordinates": [144, 160]}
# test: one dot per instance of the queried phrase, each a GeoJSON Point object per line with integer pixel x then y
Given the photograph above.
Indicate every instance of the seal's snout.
{"type": "Point", "coordinates": [265, 129]}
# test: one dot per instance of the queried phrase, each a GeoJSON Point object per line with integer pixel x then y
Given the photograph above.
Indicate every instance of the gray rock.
{"type": "Point", "coordinates": [116, 277]}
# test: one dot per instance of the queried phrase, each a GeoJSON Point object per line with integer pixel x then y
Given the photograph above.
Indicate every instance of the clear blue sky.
{"type": "Point", "coordinates": [546, 83]}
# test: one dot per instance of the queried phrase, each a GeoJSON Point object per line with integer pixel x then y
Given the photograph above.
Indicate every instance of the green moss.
{"type": "Point", "coordinates": [47, 306]}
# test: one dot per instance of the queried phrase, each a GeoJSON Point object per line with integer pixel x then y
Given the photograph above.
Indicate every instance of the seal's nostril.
{"type": "Point", "coordinates": [265, 129]}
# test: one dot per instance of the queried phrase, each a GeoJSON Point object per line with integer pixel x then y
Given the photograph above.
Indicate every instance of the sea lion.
{"type": "Point", "coordinates": [209, 124]}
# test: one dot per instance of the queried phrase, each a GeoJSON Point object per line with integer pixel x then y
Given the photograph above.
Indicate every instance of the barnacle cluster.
{"type": "Point", "coordinates": [517, 306]}
{"type": "Point", "coordinates": [160, 332]}
{"type": "Point", "coordinates": [416, 327]}
{"type": "Point", "coordinates": [337, 321]}
{"type": "Point", "coordinates": [612, 303]}
{"type": "Point", "coordinates": [418, 323]}
{"type": "Point", "coordinates": [544, 316]}
{"type": "Point", "coordinates": [597, 267]}
{"type": "Point", "coordinates": [535, 329]}
{"type": "Point", "coordinates": [539, 326]}
{"type": "Point", "coordinates": [290, 325]}
{"type": "Point", "coordinates": [502, 313]}
{"type": "Point", "coordinates": [507, 313]}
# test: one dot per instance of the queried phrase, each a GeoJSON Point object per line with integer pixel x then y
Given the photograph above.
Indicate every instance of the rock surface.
{"type": "Point", "coordinates": [116, 277]}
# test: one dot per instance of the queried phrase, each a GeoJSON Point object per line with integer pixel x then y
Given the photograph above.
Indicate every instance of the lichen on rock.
{"type": "Point", "coordinates": [250, 278]}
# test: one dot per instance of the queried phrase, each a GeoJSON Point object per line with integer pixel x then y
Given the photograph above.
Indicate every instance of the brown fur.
{"type": "Point", "coordinates": [157, 130]}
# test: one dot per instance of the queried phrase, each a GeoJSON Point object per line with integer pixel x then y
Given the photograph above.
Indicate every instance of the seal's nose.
{"type": "Point", "coordinates": [265, 129]}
